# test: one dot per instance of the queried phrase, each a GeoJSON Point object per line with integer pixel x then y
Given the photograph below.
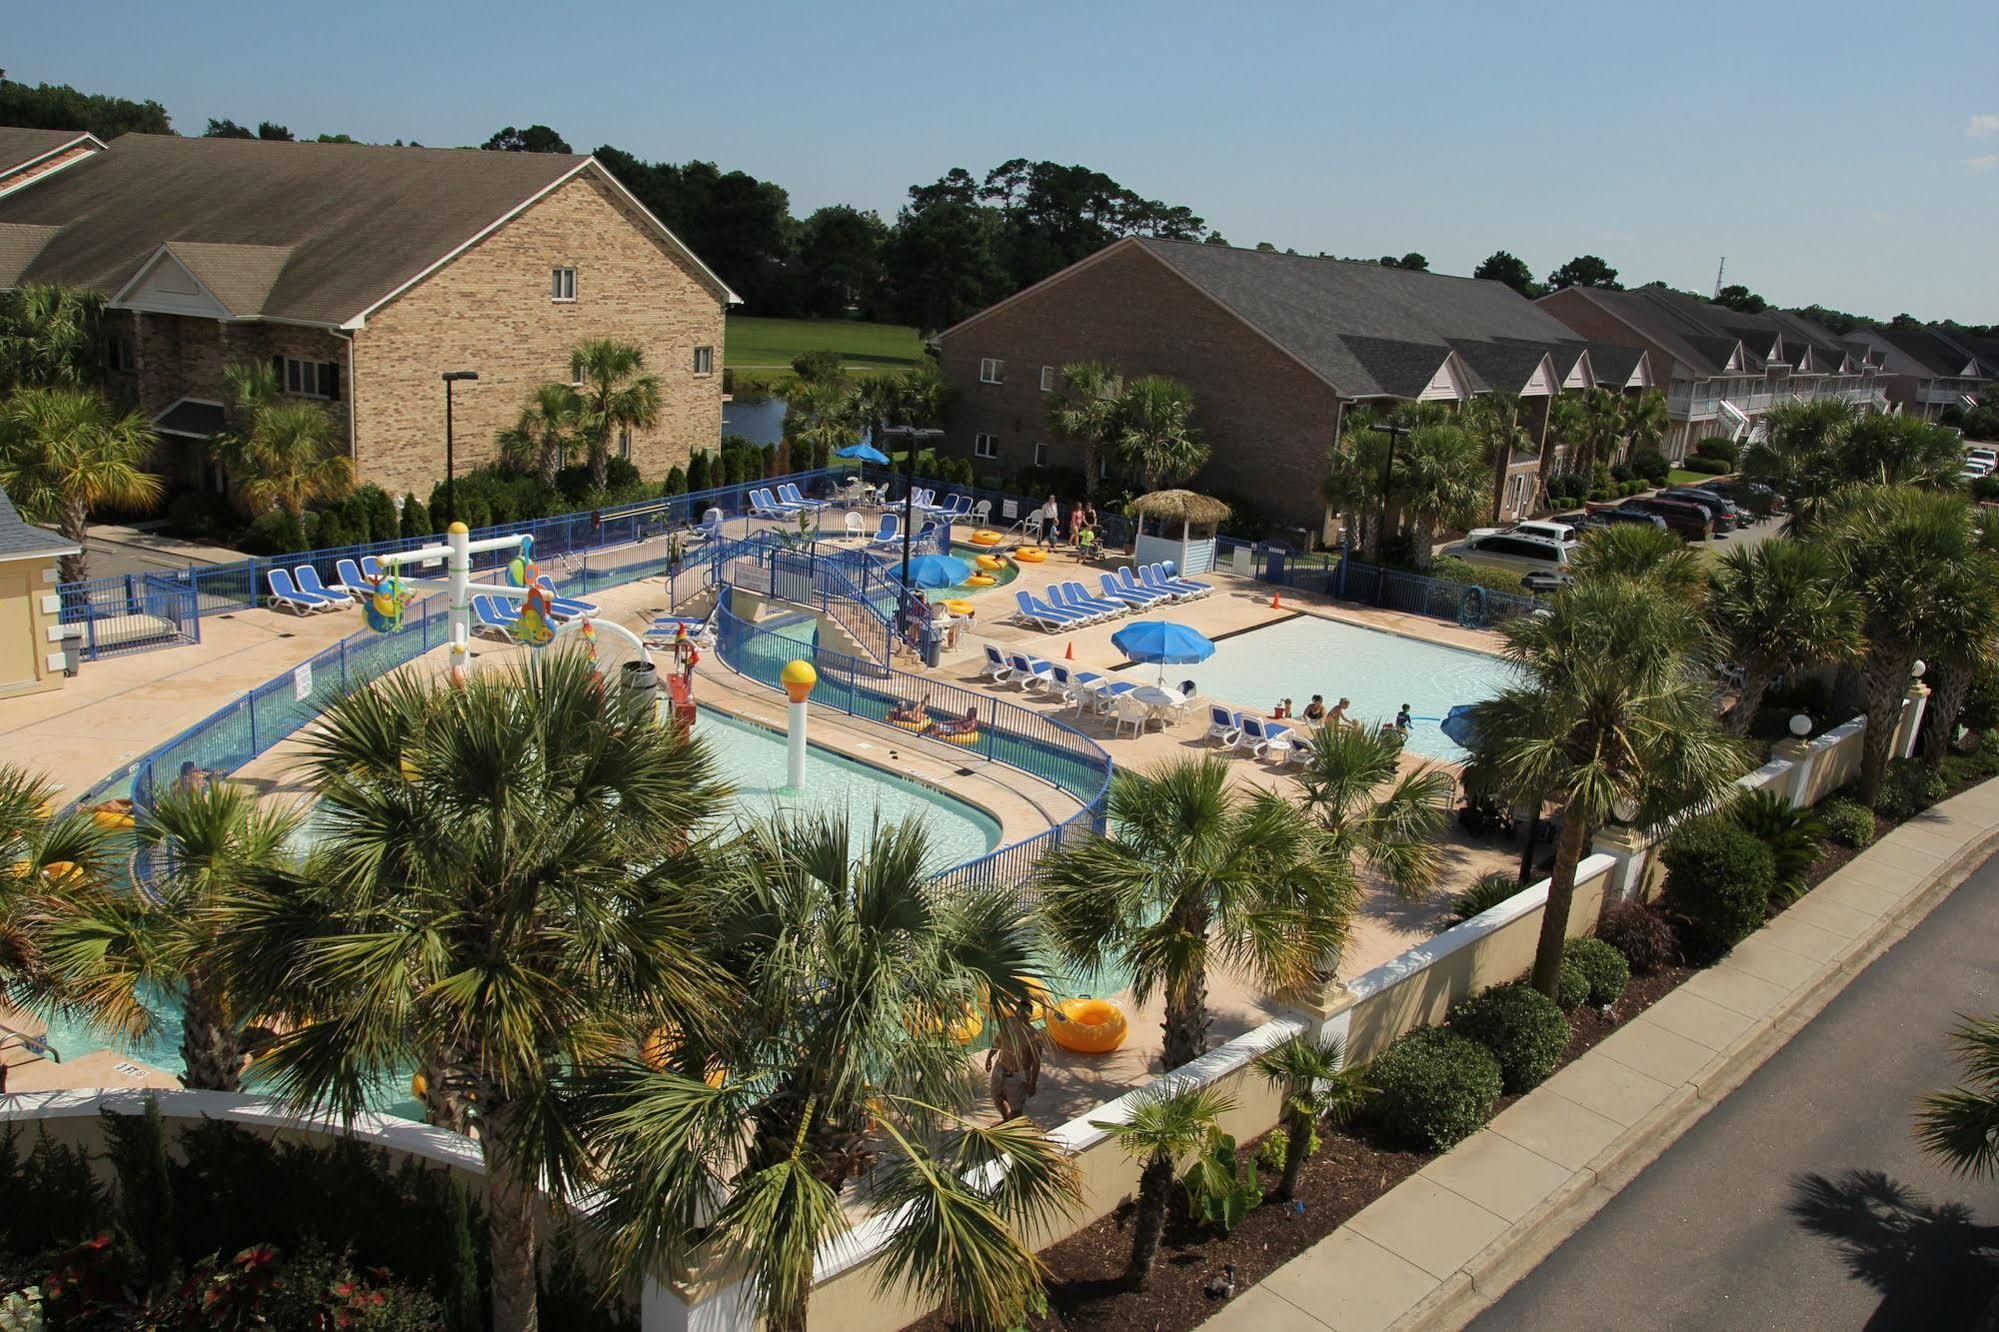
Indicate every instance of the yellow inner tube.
{"type": "Point", "coordinates": [1029, 555]}
{"type": "Point", "coordinates": [990, 562]}
{"type": "Point", "coordinates": [985, 536]}
{"type": "Point", "coordinates": [1037, 997]}
{"type": "Point", "coordinates": [964, 1028]}
{"type": "Point", "coordinates": [1087, 1026]}
{"type": "Point", "coordinates": [958, 606]}
{"type": "Point", "coordinates": [980, 580]}
{"type": "Point", "coordinates": [908, 723]}
{"type": "Point", "coordinates": [111, 818]}
{"type": "Point", "coordinates": [960, 737]}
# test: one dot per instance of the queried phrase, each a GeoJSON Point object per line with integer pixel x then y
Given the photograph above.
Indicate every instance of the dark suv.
{"type": "Point", "coordinates": [1693, 522]}
{"type": "Point", "coordinates": [1728, 515]}
{"type": "Point", "coordinates": [1621, 516]}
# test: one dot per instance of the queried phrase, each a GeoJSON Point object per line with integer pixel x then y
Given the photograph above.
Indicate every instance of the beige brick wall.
{"type": "Point", "coordinates": [489, 310]}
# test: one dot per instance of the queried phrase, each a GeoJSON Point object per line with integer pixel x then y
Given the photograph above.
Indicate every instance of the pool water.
{"type": "Point", "coordinates": [1378, 671]}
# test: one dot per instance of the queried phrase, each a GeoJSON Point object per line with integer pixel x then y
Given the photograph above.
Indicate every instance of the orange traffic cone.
{"type": "Point", "coordinates": [1277, 601]}
{"type": "Point", "coordinates": [1070, 655]}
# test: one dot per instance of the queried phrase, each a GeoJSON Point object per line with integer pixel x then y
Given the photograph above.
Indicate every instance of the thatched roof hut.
{"type": "Point", "coordinates": [1180, 506]}
{"type": "Point", "coordinates": [1177, 525]}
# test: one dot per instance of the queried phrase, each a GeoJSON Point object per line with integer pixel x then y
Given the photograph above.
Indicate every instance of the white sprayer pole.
{"type": "Point", "coordinates": [458, 569]}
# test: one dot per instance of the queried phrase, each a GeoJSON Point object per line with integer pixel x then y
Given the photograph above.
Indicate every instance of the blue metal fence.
{"type": "Point", "coordinates": [106, 617]}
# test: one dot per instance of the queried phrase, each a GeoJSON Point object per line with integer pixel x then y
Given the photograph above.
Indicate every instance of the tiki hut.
{"type": "Point", "coordinates": [1176, 525]}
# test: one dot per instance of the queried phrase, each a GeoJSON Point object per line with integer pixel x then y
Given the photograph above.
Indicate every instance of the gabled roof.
{"type": "Point", "coordinates": [1614, 365]}
{"type": "Point", "coordinates": [22, 540]}
{"type": "Point", "coordinates": [1937, 352]}
{"type": "Point", "coordinates": [314, 233]}
{"type": "Point", "coordinates": [21, 149]}
{"type": "Point", "coordinates": [1365, 330]}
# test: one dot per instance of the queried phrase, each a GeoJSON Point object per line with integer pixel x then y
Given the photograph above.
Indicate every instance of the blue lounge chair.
{"type": "Point", "coordinates": [1152, 578]}
{"type": "Point", "coordinates": [789, 494]}
{"type": "Point", "coordinates": [766, 505]}
{"type": "Point", "coordinates": [373, 568]}
{"type": "Point", "coordinates": [889, 532]}
{"type": "Point", "coordinates": [1224, 725]}
{"type": "Point", "coordinates": [351, 577]}
{"type": "Point", "coordinates": [561, 605]}
{"type": "Point", "coordinates": [1083, 686]}
{"type": "Point", "coordinates": [495, 613]}
{"type": "Point", "coordinates": [709, 528]}
{"type": "Point", "coordinates": [1130, 596]}
{"type": "Point", "coordinates": [286, 596]}
{"type": "Point", "coordinates": [1056, 600]}
{"type": "Point", "coordinates": [308, 582]}
{"type": "Point", "coordinates": [1030, 672]}
{"type": "Point", "coordinates": [1108, 696]}
{"type": "Point", "coordinates": [1130, 583]}
{"type": "Point", "coordinates": [1045, 617]}
{"type": "Point", "coordinates": [996, 668]}
{"type": "Point", "coordinates": [1075, 594]}
{"type": "Point", "coordinates": [1259, 736]}
{"type": "Point", "coordinates": [1173, 575]}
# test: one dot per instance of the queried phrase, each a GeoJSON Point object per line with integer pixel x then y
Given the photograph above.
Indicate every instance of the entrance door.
{"type": "Point", "coordinates": [17, 631]}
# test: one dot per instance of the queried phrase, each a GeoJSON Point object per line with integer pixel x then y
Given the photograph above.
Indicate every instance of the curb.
{"type": "Point", "coordinates": [1522, 1246]}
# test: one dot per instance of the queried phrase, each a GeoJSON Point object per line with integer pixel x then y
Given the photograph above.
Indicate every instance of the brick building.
{"type": "Point", "coordinates": [362, 273]}
{"type": "Point", "coordinates": [1275, 347]}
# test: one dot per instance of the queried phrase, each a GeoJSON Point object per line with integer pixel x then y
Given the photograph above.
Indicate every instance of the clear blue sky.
{"type": "Point", "coordinates": [1840, 153]}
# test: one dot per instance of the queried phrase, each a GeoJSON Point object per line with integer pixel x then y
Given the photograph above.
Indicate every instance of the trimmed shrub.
{"type": "Point", "coordinates": [333, 532]}
{"type": "Point", "coordinates": [1641, 936]}
{"type": "Point", "coordinates": [1710, 466]}
{"type": "Point", "coordinates": [1433, 1088]}
{"type": "Point", "coordinates": [1601, 966]}
{"type": "Point", "coordinates": [1847, 822]}
{"type": "Point", "coordinates": [1270, 1152]}
{"type": "Point", "coordinates": [1652, 465]}
{"type": "Point", "coordinates": [1486, 892]}
{"type": "Point", "coordinates": [697, 471]}
{"type": "Point", "coordinates": [1719, 878]}
{"type": "Point", "coordinates": [415, 517]}
{"type": "Point", "coordinates": [675, 483]}
{"type": "Point", "coordinates": [1718, 446]}
{"type": "Point", "coordinates": [1522, 1027]}
{"type": "Point", "coordinates": [1796, 837]}
{"type": "Point", "coordinates": [1908, 788]}
{"type": "Point", "coordinates": [1572, 991]}
{"type": "Point", "coordinates": [276, 533]}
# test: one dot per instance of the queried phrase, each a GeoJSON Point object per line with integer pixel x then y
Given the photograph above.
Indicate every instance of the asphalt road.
{"type": "Point", "coordinates": [1802, 1200]}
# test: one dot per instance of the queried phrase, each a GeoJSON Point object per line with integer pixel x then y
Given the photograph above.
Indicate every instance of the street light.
{"type": "Point", "coordinates": [913, 436]}
{"type": "Point", "coordinates": [450, 481]}
{"type": "Point", "coordinates": [1394, 432]}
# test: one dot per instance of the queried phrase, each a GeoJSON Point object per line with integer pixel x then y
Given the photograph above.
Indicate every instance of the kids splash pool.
{"type": "Point", "coordinates": [1377, 671]}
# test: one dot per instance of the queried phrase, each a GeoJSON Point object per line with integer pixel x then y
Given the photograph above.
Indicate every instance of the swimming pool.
{"type": "Point", "coordinates": [1378, 671]}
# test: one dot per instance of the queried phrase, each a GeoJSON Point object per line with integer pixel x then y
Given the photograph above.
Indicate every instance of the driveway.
{"type": "Point", "coordinates": [1802, 1199]}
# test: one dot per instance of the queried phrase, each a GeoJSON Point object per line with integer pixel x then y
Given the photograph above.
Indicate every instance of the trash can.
{"type": "Point", "coordinates": [933, 645]}
{"type": "Point", "coordinates": [641, 677]}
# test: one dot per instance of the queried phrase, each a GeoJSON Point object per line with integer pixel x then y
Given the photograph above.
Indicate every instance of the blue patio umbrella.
{"type": "Point", "coordinates": [863, 452]}
{"type": "Point", "coordinates": [938, 571]}
{"type": "Point", "coordinates": [1461, 725]}
{"type": "Point", "coordinates": [1162, 642]}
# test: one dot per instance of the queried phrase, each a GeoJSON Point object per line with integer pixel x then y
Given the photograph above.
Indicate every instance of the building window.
{"type": "Point", "coordinates": [704, 360]}
{"type": "Point", "coordinates": [985, 446]}
{"type": "Point", "coordinates": [1047, 379]}
{"type": "Point", "coordinates": [309, 379]}
{"type": "Point", "coordinates": [562, 284]}
{"type": "Point", "coordinates": [625, 444]}
{"type": "Point", "coordinates": [992, 371]}
{"type": "Point", "coordinates": [1040, 455]}
{"type": "Point", "coordinates": [121, 352]}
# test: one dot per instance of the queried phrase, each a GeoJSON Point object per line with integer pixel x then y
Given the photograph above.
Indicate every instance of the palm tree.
{"type": "Point", "coordinates": [1441, 480]}
{"type": "Point", "coordinates": [824, 415]}
{"type": "Point", "coordinates": [1640, 550]}
{"type": "Point", "coordinates": [1567, 424]}
{"type": "Point", "coordinates": [1903, 451]}
{"type": "Point", "coordinates": [845, 977]}
{"type": "Point", "coordinates": [65, 451]}
{"type": "Point", "coordinates": [1960, 1126]}
{"type": "Point", "coordinates": [615, 393]}
{"type": "Point", "coordinates": [1777, 608]}
{"type": "Point", "coordinates": [1602, 428]}
{"type": "Point", "coordinates": [1156, 436]}
{"type": "Point", "coordinates": [1394, 833]}
{"type": "Point", "coordinates": [1647, 422]}
{"type": "Point", "coordinates": [1315, 1083]}
{"type": "Point", "coordinates": [1193, 872]}
{"type": "Point", "coordinates": [49, 337]}
{"type": "Point", "coordinates": [1493, 422]}
{"type": "Point", "coordinates": [113, 947]}
{"type": "Point", "coordinates": [543, 439]}
{"type": "Point", "coordinates": [1165, 1125]}
{"type": "Point", "coordinates": [1910, 558]}
{"type": "Point", "coordinates": [503, 897]}
{"type": "Point", "coordinates": [51, 858]}
{"type": "Point", "coordinates": [282, 452]}
{"type": "Point", "coordinates": [1085, 409]}
{"type": "Point", "coordinates": [1801, 455]}
{"type": "Point", "coordinates": [1352, 487]}
{"type": "Point", "coordinates": [1963, 639]}
{"type": "Point", "coordinates": [1615, 709]}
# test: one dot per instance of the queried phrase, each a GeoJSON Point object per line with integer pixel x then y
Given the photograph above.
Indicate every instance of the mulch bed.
{"type": "Point", "coordinates": [1086, 1294]}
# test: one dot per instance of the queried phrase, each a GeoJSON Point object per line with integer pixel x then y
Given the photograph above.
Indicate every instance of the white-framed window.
{"type": "Point", "coordinates": [1047, 379]}
{"type": "Point", "coordinates": [121, 352]}
{"type": "Point", "coordinates": [704, 360]}
{"type": "Point", "coordinates": [625, 444]}
{"type": "Point", "coordinates": [310, 379]}
{"type": "Point", "coordinates": [562, 284]}
{"type": "Point", "coordinates": [992, 371]}
{"type": "Point", "coordinates": [1040, 454]}
{"type": "Point", "coordinates": [985, 446]}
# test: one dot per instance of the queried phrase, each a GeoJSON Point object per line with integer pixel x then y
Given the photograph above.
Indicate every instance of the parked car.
{"type": "Point", "coordinates": [1554, 529]}
{"type": "Point", "coordinates": [1515, 550]}
{"type": "Point", "coordinates": [1547, 580]}
{"type": "Point", "coordinates": [1603, 518]}
{"type": "Point", "coordinates": [1976, 466]}
{"type": "Point", "coordinates": [1693, 522]}
{"type": "Point", "coordinates": [1752, 496]}
{"type": "Point", "coordinates": [1980, 454]}
{"type": "Point", "coordinates": [1727, 517]}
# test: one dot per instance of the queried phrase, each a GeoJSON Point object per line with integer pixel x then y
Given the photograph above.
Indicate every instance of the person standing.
{"type": "Point", "coordinates": [1051, 522]}
{"type": "Point", "coordinates": [1014, 1062]}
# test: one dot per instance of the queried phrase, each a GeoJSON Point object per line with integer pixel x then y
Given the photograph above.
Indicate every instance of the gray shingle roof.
{"type": "Point", "coordinates": [19, 539]}
{"type": "Point", "coordinates": [1508, 364]}
{"type": "Point", "coordinates": [314, 232]}
{"type": "Point", "coordinates": [1614, 365]}
{"type": "Point", "coordinates": [1371, 331]}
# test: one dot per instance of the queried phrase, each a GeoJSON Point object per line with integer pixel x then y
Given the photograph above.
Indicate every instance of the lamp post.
{"type": "Point", "coordinates": [450, 480]}
{"type": "Point", "coordinates": [1394, 432]}
{"type": "Point", "coordinates": [913, 436]}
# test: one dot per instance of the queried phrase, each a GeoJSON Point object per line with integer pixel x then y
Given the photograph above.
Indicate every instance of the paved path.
{"type": "Point", "coordinates": [1433, 1250]}
{"type": "Point", "coordinates": [1803, 1200]}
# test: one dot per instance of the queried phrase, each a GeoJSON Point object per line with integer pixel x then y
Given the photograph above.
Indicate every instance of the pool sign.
{"type": "Point", "coordinates": [302, 682]}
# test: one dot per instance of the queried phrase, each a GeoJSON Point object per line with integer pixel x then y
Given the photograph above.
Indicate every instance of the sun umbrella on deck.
{"type": "Point", "coordinates": [1162, 642]}
{"type": "Point", "coordinates": [937, 571]}
{"type": "Point", "coordinates": [862, 452]}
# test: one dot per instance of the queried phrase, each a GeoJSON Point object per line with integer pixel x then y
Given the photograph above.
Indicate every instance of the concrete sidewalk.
{"type": "Point", "coordinates": [1439, 1247]}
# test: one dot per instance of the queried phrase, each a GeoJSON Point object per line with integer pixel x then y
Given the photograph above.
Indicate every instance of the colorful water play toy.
{"type": "Point", "coordinates": [536, 627]}
{"type": "Point", "coordinates": [388, 596]}
{"type": "Point", "coordinates": [980, 580]}
{"type": "Point", "coordinates": [989, 562]}
{"type": "Point", "coordinates": [1087, 1026]}
{"type": "Point", "coordinates": [985, 536]}
{"type": "Point", "coordinates": [521, 569]}
{"type": "Point", "coordinates": [1030, 555]}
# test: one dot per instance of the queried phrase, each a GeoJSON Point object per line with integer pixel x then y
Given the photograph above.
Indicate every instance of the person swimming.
{"type": "Point", "coordinates": [1315, 711]}
{"type": "Point", "coordinates": [1403, 721]}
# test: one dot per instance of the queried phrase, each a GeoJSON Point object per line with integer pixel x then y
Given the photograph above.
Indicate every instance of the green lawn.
{"type": "Point", "coordinates": [1679, 476]}
{"type": "Point", "coordinates": [762, 346]}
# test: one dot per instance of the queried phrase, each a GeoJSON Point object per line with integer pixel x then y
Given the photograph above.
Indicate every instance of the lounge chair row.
{"type": "Point", "coordinates": [786, 503]}
{"type": "Point", "coordinates": [301, 592]}
{"type": "Point", "coordinates": [955, 507]}
{"type": "Point", "coordinates": [1250, 733]}
{"type": "Point", "coordinates": [500, 613]}
{"type": "Point", "coordinates": [1085, 690]}
{"type": "Point", "coordinates": [1070, 606]}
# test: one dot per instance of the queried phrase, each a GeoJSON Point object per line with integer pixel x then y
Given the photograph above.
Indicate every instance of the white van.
{"type": "Point", "coordinates": [1529, 552]}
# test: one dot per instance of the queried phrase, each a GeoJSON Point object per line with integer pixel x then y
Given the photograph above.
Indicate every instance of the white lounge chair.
{"type": "Point", "coordinates": [1259, 735]}
{"type": "Point", "coordinates": [996, 668]}
{"type": "Point", "coordinates": [1223, 725]}
{"type": "Point", "coordinates": [1130, 710]}
{"type": "Point", "coordinates": [1030, 672]}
